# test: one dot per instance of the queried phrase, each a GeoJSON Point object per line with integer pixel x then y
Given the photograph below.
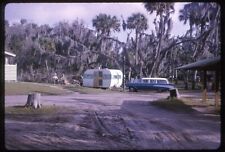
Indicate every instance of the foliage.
{"type": "Point", "coordinates": [72, 48]}
{"type": "Point", "coordinates": [105, 23]}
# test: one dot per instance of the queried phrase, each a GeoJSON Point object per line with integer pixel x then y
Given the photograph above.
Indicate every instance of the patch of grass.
{"type": "Point", "coordinates": [217, 111]}
{"type": "Point", "coordinates": [198, 103]}
{"type": "Point", "coordinates": [22, 110]}
{"type": "Point", "coordinates": [175, 105]}
{"type": "Point", "coordinates": [21, 88]}
{"type": "Point", "coordinates": [50, 114]}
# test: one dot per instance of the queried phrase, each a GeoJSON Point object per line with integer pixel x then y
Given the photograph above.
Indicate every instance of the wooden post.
{"type": "Point", "coordinates": [204, 96]}
{"type": "Point", "coordinates": [217, 89]}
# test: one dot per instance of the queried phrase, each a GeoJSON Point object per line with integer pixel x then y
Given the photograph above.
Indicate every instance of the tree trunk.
{"type": "Point", "coordinates": [46, 64]}
{"type": "Point", "coordinates": [141, 67]}
{"type": "Point", "coordinates": [34, 100]}
{"type": "Point", "coordinates": [174, 93]}
{"type": "Point", "coordinates": [129, 74]}
{"type": "Point", "coordinates": [136, 48]}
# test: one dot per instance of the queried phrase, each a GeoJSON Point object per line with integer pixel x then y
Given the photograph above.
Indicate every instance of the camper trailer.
{"type": "Point", "coordinates": [102, 78]}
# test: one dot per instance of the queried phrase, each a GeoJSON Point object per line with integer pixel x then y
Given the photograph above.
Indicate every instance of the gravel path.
{"type": "Point", "coordinates": [110, 121]}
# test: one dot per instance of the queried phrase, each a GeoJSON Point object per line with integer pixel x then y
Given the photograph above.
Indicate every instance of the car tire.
{"type": "Point", "coordinates": [131, 89]}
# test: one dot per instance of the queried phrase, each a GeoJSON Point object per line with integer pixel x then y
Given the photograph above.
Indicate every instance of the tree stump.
{"type": "Point", "coordinates": [34, 100]}
{"type": "Point", "coordinates": [174, 93]}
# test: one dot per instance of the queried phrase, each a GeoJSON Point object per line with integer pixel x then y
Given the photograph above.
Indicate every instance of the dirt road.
{"type": "Point", "coordinates": [110, 121]}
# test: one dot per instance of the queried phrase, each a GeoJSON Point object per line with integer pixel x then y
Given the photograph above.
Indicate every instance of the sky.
{"type": "Point", "coordinates": [52, 13]}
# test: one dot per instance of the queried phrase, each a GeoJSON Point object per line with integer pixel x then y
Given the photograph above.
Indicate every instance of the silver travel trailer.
{"type": "Point", "coordinates": [102, 78]}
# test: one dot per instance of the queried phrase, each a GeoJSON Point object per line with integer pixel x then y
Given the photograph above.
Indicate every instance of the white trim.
{"type": "Point", "coordinates": [10, 54]}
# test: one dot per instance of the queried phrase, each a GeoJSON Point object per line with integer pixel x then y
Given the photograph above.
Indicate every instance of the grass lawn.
{"type": "Point", "coordinates": [21, 88]}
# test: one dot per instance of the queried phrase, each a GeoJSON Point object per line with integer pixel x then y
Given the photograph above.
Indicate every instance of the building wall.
{"type": "Point", "coordinates": [10, 72]}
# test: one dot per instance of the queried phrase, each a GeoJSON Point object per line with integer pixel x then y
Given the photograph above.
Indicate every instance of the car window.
{"type": "Point", "coordinates": [161, 81]}
{"type": "Point", "coordinates": [145, 81]}
{"type": "Point", "coordinates": [153, 81]}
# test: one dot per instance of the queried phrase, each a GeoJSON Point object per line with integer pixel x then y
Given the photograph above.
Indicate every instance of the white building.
{"type": "Point", "coordinates": [10, 69]}
{"type": "Point", "coordinates": [102, 78]}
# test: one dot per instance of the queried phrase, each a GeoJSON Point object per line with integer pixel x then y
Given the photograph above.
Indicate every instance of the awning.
{"type": "Point", "coordinates": [207, 64]}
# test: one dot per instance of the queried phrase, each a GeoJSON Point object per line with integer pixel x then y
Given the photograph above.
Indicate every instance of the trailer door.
{"type": "Point", "coordinates": [98, 79]}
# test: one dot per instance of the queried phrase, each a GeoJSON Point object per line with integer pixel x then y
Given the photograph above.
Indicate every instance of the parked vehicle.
{"type": "Point", "coordinates": [159, 84]}
{"type": "Point", "coordinates": [102, 78]}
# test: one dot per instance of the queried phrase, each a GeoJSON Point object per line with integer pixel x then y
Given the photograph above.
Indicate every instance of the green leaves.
{"type": "Point", "coordinates": [104, 24]}
{"type": "Point", "coordinates": [138, 22]}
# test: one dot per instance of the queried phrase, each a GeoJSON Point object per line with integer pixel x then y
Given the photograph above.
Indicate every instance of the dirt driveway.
{"type": "Point", "coordinates": [110, 121]}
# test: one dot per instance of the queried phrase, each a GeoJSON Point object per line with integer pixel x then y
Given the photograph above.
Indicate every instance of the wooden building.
{"type": "Point", "coordinates": [211, 64]}
{"type": "Point", "coordinates": [10, 67]}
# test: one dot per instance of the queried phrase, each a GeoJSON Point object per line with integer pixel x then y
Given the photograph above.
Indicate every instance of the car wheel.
{"type": "Point", "coordinates": [131, 89]}
{"type": "Point", "coordinates": [160, 90]}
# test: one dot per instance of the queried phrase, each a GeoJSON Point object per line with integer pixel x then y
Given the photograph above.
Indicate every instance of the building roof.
{"type": "Point", "coordinates": [10, 54]}
{"type": "Point", "coordinates": [207, 64]}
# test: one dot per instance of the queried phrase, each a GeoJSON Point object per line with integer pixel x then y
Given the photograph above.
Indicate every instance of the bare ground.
{"type": "Point", "coordinates": [109, 121]}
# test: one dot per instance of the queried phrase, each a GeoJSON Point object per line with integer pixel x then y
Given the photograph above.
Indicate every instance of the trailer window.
{"type": "Point", "coordinates": [117, 76]}
{"type": "Point", "coordinates": [88, 76]}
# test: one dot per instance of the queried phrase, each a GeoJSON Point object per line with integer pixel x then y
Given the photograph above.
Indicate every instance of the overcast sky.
{"type": "Point", "coordinates": [52, 13]}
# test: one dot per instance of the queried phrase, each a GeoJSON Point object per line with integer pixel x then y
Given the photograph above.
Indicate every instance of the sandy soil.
{"type": "Point", "coordinates": [110, 121]}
